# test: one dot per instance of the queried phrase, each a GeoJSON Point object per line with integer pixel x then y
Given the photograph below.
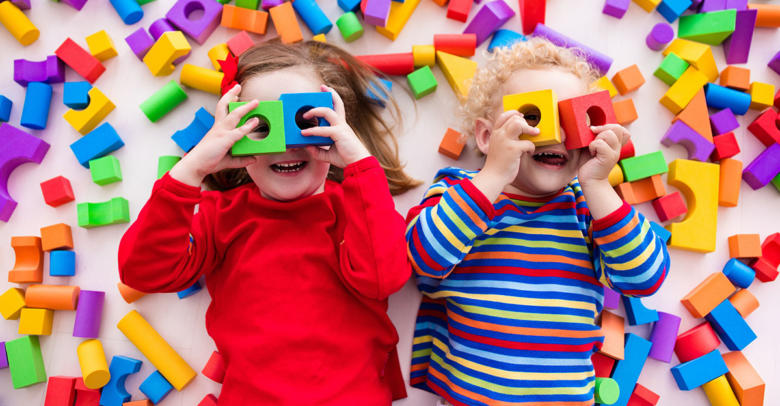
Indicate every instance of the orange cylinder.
{"type": "Point", "coordinates": [768, 15]}
{"type": "Point", "coordinates": [744, 302]}
{"type": "Point", "coordinates": [54, 297]}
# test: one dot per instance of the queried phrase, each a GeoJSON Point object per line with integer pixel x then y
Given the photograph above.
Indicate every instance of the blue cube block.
{"type": "Point", "coordinates": [195, 288]}
{"type": "Point", "coordinates": [293, 106]}
{"type": "Point", "coordinates": [637, 313]}
{"type": "Point", "coordinates": [673, 9]}
{"type": "Point", "coordinates": [190, 136]}
{"type": "Point", "coordinates": [378, 95]}
{"type": "Point", "coordinates": [661, 231]}
{"type": "Point", "coordinates": [626, 371]}
{"type": "Point", "coordinates": [731, 327]}
{"type": "Point", "coordinates": [697, 372]}
{"type": "Point", "coordinates": [5, 108]}
{"type": "Point", "coordinates": [97, 143]}
{"type": "Point", "coordinates": [155, 387]}
{"type": "Point", "coordinates": [62, 263]}
{"type": "Point", "coordinates": [505, 38]}
{"type": "Point", "coordinates": [37, 101]}
{"type": "Point", "coordinates": [76, 94]}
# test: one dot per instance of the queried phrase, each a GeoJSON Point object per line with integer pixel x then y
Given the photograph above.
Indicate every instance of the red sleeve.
{"type": "Point", "coordinates": [168, 247]}
{"type": "Point", "coordinates": [373, 252]}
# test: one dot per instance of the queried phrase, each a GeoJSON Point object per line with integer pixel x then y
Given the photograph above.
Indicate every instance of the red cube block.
{"type": "Point", "coordinates": [669, 206]}
{"type": "Point", "coordinates": [60, 391]}
{"type": "Point", "coordinates": [726, 146]}
{"type": "Point", "coordinates": [628, 150]}
{"type": "Point", "coordinates": [57, 191]}
{"type": "Point", "coordinates": [602, 364]}
{"type": "Point", "coordinates": [643, 397]}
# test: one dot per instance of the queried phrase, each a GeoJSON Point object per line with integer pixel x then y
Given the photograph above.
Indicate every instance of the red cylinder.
{"type": "Point", "coordinates": [390, 64]}
{"type": "Point", "coordinates": [456, 44]}
{"type": "Point", "coordinates": [696, 342]}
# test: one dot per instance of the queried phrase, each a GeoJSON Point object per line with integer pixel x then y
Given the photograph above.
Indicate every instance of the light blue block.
{"type": "Point", "coordinates": [312, 16]}
{"type": "Point", "coordinates": [294, 104]}
{"type": "Point", "coordinates": [697, 372]}
{"type": "Point", "coordinates": [5, 108]}
{"type": "Point", "coordinates": [661, 232]}
{"type": "Point", "coordinates": [76, 94]}
{"type": "Point", "coordinates": [349, 5]}
{"type": "Point", "coordinates": [155, 387]}
{"type": "Point", "coordinates": [190, 136]}
{"type": "Point", "coordinates": [731, 327]}
{"type": "Point", "coordinates": [62, 263]}
{"type": "Point", "coordinates": [37, 101]}
{"type": "Point", "coordinates": [114, 393]}
{"type": "Point", "coordinates": [673, 9]}
{"type": "Point", "coordinates": [720, 97]}
{"type": "Point", "coordinates": [505, 38]}
{"type": "Point", "coordinates": [129, 10]}
{"type": "Point", "coordinates": [637, 313]}
{"type": "Point", "coordinates": [626, 371]}
{"type": "Point", "coordinates": [97, 143]}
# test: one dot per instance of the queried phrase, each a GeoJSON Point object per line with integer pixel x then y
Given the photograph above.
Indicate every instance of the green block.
{"type": "Point", "coordinates": [105, 170]}
{"type": "Point", "coordinates": [776, 182]}
{"type": "Point", "coordinates": [671, 69]}
{"type": "Point", "coordinates": [223, 1]}
{"type": "Point", "coordinates": [163, 101]}
{"type": "Point", "coordinates": [273, 143]}
{"type": "Point", "coordinates": [710, 28]}
{"type": "Point", "coordinates": [25, 361]}
{"type": "Point", "coordinates": [349, 26]}
{"type": "Point", "coordinates": [607, 391]}
{"type": "Point", "coordinates": [99, 214]}
{"type": "Point", "coordinates": [250, 4]}
{"type": "Point", "coordinates": [165, 163]}
{"type": "Point", "coordinates": [422, 82]}
{"type": "Point", "coordinates": [142, 2]}
{"type": "Point", "coordinates": [643, 166]}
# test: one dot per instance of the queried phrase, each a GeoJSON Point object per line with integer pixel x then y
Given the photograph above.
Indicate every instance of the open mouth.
{"type": "Point", "coordinates": [551, 158]}
{"type": "Point", "coordinates": [288, 167]}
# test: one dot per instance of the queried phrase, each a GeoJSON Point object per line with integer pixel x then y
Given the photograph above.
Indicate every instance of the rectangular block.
{"type": "Point", "coordinates": [697, 372]}
{"type": "Point", "coordinates": [711, 292]}
{"type": "Point", "coordinates": [744, 379]}
{"type": "Point", "coordinates": [745, 246]}
{"type": "Point", "coordinates": [25, 361]}
{"type": "Point", "coordinates": [626, 372]}
{"type": "Point", "coordinates": [730, 326]}
{"type": "Point", "coordinates": [643, 166]}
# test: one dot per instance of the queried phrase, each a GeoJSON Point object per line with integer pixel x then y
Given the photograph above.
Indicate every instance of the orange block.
{"type": "Point", "coordinates": [145, 402]}
{"type": "Point", "coordinates": [56, 236]}
{"type": "Point", "coordinates": [29, 260]}
{"type": "Point", "coordinates": [745, 246]}
{"type": "Point", "coordinates": [697, 116]}
{"type": "Point", "coordinates": [241, 18]}
{"type": "Point", "coordinates": [441, 2]}
{"type": "Point", "coordinates": [735, 77]}
{"type": "Point", "coordinates": [129, 294]}
{"type": "Point", "coordinates": [768, 15]}
{"type": "Point", "coordinates": [730, 181]}
{"type": "Point", "coordinates": [286, 23]}
{"type": "Point", "coordinates": [641, 191]}
{"type": "Point", "coordinates": [744, 301]}
{"type": "Point", "coordinates": [54, 297]}
{"type": "Point", "coordinates": [613, 327]}
{"type": "Point", "coordinates": [744, 380]}
{"type": "Point", "coordinates": [452, 144]}
{"type": "Point", "coordinates": [628, 79]}
{"type": "Point", "coordinates": [625, 112]}
{"type": "Point", "coordinates": [708, 295]}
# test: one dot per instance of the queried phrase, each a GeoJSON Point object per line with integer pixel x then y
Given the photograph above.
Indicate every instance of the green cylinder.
{"type": "Point", "coordinates": [163, 101]}
{"type": "Point", "coordinates": [607, 391]}
{"type": "Point", "coordinates": [165, 163]}
{"type": "Point", "coordinates": [349, 26]}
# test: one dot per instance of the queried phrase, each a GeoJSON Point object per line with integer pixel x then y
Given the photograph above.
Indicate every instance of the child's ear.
{"type": "Point", "coordinates": [482, 131]}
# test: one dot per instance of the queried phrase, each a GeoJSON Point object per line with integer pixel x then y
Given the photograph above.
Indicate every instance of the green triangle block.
{"type": "Point", "coordinates": [710, 28]}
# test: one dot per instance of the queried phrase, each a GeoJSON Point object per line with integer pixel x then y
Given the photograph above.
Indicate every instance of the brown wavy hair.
{"type": "Point", "coordinates": [350, 78]}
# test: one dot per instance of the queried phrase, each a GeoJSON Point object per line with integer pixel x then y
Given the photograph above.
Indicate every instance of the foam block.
{"type": "Point", "coordinates": [88, 314]}
{"type": "Point", "coordinates": [197, 77]}
{"type": "Point", "coordinates": [744, 246]}
{"type": "Point", "coordinates": [422, 82]}
{"type": "Point", "coordinates": [215, 367]}
{"type": "Point", "coordinates": [18, 24]}
{"type": "Point", "coordinates": [737, 47]}
{"type": "Point", "coordinates": [708, 294]}
{"type": "Point", "coordinates": [763, 168]}
{"type": "Point", "coordinates": [697, 372]}
{"type": "Point", "coordinates": [602, 364]}
{"type": "Point", "coordinates": [671, 69]}
{"type": "Point", "coordinates": [699, 55]}
{"type": "Point", "coordinates": [532, 13]}
{"type": "Point", "coordinates": [670, 206]}
{"type": "Point", "coordinates": [452, 144]}
{"type": "Point", "coordinates": [181, 16]}
{"type": "Point", "coordinates": [87, 119]}
{"type": "Point", "coordinates": [239, 18]}
{"type": "Point", "coordinates": [54, 297]}
{"type": "Point", "coordinates": [28, 267]}
{"type": "Point", "coordinates": [114, 392]}
{"type": "Point", "coordinates": [312, 16]}
{"type": "Point", "coordinates": [129, 10]}
{"type": "Point", "coordinates": [616, 8]}
{"type": "Point", "coordinates": [191, 135]}
{"type": "Point", "coordinates": [730, 182]}
{"type": "Point", "coordinates": [50, 70]}
{"type": "Point", "coordinates": [724, 121]}
{"type": "Point", "coordinates": [456, 44]}
{"type": "Point", "coordinates": [719, 392]}
{"type": "Point", "coordinates": [641, 191]}
{"type": "Point", "coordinates": [643, 166]}
{"type": "Point", "coordinates": [163, 101]}
{"type": "Point", "coordinates": [129, 294]}
{"type": "Point", "coordinates": [269, 112]}
{"type": "Point", "coordinates": [719, 97]}
{"type": "Point", "coordinates": [286, 23]}
{"type": "Point", "coordinates": [604, 83]}
{"type": "Point", "coordinates": [698, 147]}
{"type": "Point", "coordinates": [5, 109]}
{"type": "Point", "coordinates": [94, 368]}
{"type": "Point", "coordinates": [159, 27]}
{"type": "Point", "coordinates": [696, 115]}
{"type": "Point", "coordinates": [101, 46]}
{"type": "Point", "coordinates": [735, 77]}
{"type": "Point", "coordinates": [62, 263]}
{"type": "Point", "coordinates": [730, 326]}
{"type": "Point", "coordinates": [76, 94]}
{"type": "Point", "coordinates": [169, 48]}
{"type": "Point", "coordinates": [601, 61]}
{"type": "Point", "coordinates": [628, 80]}
{"type": "Point", "coordinates": [114, 211]}
{"type": "Point", "coordinates": [543, 102]}
{"type": "Point", "coordinates": [105, 170]}
{"type": "Point", "coordinates": [708, 27]}
{"type": "Point", "coordinates": [744, 379]}
{"type": "Point", "coordinates": [643, 397]}
{"type": "Point", "coordinates": [99, 142]}
{"type": "Point", "coordinates": [504, 38]}
{"type": "Point", "coordinates": [766, 266]}
{"type": "Point", "coordinates": [683, 90]}
{"type": "Point", "coordinates": [672, 9]}
{"type": "Point", "coordinates": [661, 232]}
{"type": "Point", "coordinates": [80, 60]}
{"type": "Point", "coordinates": [696, 342]}
{"type": "Point", "coordinates": [637, 313]}
{"type": "Point", "coordinates": [664, 336]}
{"type": "Point", "coordinates": [626, 372]}
{"type": "Point", "coordinates": [11, 303]}
{"type": "Point", "coordinates": [60, 391]}
{"type": "Point", "coordinates": [37, 101]}
{"type": "Point", "coordinates": [458, 72]}
{"type": "Point", "coordinates": [216, 53]}
{"type": "Point", "coordinates": [613, 329]}
{"type": "Point", "coordinates": [140, 42]}
{"type": "Point", "coordinates": [36, 321]}
{"type": "Point", "coordinates": [765, 127]}
{"type": "Point", "coordinates": [349, 26]}
{"type": "Point", "coordinates": [294, 105]}
{"type": "Point", "coordinates": [726, 146]}
{"type": "Point", "coordinates": [698, 182]}
{"type": "Point", "coordinates": [25, 360]}
{"type": "Point", "coordinates": [489, 18]}
{"type": "Point", "coordinates": [165, 163]}
{"type": "Point", "coordinates": [574, 114]}
{"type": "Point", "coordinates": [659, 36]}
{"type": "Point", "coordinates": [399, 16]}
{"type": "Point", "coordinates": [738, 273]}
{"type": "Point", "coordinates": [195, 288]}
{"type": "Point", "coordinates": [155, 387]}
{"type": "Point", "coordinates": [761, 95]}
{"type": "Point", "coordinates": [390, 64]}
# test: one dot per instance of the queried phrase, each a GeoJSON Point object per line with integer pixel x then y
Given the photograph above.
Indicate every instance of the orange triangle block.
{"type": "Point", "coordinates": [458, 72]}
{"type": "Point", "coordinates": [696, 115]}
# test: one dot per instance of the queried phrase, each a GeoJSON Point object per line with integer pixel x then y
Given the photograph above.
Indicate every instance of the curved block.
{"type": "Point", "coordinates": [295, 104]}
{"type": "Point", "coordinates": [200, 29]}
{"type": "Point", "coordinates": [87, 119]}
{"type": "Point", "coordinates": [190, 136]}
{"type": "Point", "coordinates": [114, 211]}
{"type": "Point", "coordinates": [19, 147]}
{"type": "Point", "coordinates": [92, 360]}
{"type": "Point", "coordinates": [197, 77]}
{"type": "Point", "coordinates": [28, 267]}
{"type": "Point", "coordinates": [76, 94]}
{"type": "Point", "coordinates": [168, 48]}
{"type": "Point", "coordinates": [698, 147]}
{"type": "Point", "coordinates": [49, 70]}
{"type": "Point", "coordinates": [698, 182]}
{"type": "Point", "coordinates": [88, 314]}
{"type": "Point", "coordinates": [114, 393]}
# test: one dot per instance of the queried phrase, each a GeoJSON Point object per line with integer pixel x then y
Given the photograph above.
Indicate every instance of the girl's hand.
{"type": "Point", "coordinates": [603, 153]}
{"type": "Point", "coordinates": [347, 148]}
{"type": "Point", "coordinates": [212, 152]}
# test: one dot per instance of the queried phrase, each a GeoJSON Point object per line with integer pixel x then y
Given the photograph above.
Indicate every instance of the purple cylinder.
{"type": "Point", "coordinates": [765, 167]}
{"type": "Point", "coordinates": [160, 26]}
{"type": "Point", "coordinates": [601, 61]}
{"type": "Point", "coordinates": [664, 336]}
{"type": "Point", "coordinates": [88, 314]}
{"type": "Point", "coordinates": [659, 36]}
{"type": "Point", "coordinates": [266, 4]}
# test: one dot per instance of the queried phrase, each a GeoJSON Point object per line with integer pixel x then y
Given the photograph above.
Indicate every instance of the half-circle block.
{"type": "Point", "coordinates": [87, 119]}
{"type": "Point", "coordinates": [698, 182]}
{"type": "Point", "coordinates": [199, 28]}
{"type": "Point", "coordinates": [699, 148]}
{"type": "Point", "coordinates": [114, 393]}
{"type": "Point", "coordinates": [191, 135]}
{"type": "Point", "coordinates": [49, 70]}
{"type": "Point", "coordinates": [19, 147]}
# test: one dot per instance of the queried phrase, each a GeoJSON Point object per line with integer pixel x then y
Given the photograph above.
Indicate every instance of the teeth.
{"type": "Point", "coordinates": [550, 154]}
{"type": "Point", "coordinates": [289, 165]}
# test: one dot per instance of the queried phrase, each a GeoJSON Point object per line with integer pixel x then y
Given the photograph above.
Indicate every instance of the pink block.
{"type": "Point", "coordinates": [699, 148]}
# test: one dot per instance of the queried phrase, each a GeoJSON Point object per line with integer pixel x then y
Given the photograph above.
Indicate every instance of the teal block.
{"type": "Point", "coordinates": [422, 82]}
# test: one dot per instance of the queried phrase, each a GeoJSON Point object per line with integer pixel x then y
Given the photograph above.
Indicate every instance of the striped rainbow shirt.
{"type": "Point", "coordinates": [511, 293]}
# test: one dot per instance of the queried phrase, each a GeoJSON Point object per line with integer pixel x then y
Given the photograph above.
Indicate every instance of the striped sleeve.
{"type": "Point", "coordinates": [630, 257]}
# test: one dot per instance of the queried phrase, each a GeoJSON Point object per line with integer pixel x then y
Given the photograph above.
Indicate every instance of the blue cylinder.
{"type": "Point", "coordinates": [129, 10]}
{"type": "Point", "coordinates": [312, 15]}
{"type": "Point", "coordinates": [37, 101]}
{"type": "Point", "coordinates": [719, 97]}
{"type": "Point", "coordinates": [738, 273]}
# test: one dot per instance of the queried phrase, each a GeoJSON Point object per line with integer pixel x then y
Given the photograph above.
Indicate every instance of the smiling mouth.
{"type": "Point", "coordinates": [551, 158]}
{"type": "Point", "coordinates": [288, 167]}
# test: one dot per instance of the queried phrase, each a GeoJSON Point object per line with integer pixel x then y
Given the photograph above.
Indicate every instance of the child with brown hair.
{"type": "Point", "coordinates": [300, 249]}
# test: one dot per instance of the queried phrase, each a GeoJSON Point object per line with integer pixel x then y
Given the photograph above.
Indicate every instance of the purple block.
{"type": "Point", "coordinates": [611, 298]}
{"type": "Point", "coordinates": [377, 12]}
{"type": "Point", "coordinates": [200, 29]}
{"type": "Point", "coordinates": [695, 4]}
{"type": "Point", "coordinates": [712, 5]}
{"type": "Point", "coordinates": [19, 147]}
{"type": "Point", "coordinates": [139, 42]}
{"type": "Point", "coordinates": [737, 4]}
{"type": "Point", "coordinates": [77, 4]}
{"type": "Point", "coordinates": [616, 8]}
{"type": "Point", "coordinates": [601, 61]}
{"type": "Point", "coordinates": [664, 336]}
{"type": "Point", "coordinates": [268, 4]}
{"type": "Point", "coordinates": [724, 121]}
{"type": "Point", "coordinates": [761, 171]}
{"type": "Point", "coordinates": [160, 26]}
{"type": "Point", "coordinates": [88, 314]}
{"type": "Point", "coordinates": [737, 47]}
{"type": "Point", "coordinates": [3, 356]}
{"type": "Point", "coordinates": [488, 19]}
{"type": "Point", "coordinates": [659, 36]}
{"type": "Point", "coordinates": [699, 148]}
{"type": "Point", "coordinates": [22, 4]}
{"type": "Point", "coordinates": [774, 64]}
{"type": "Point", "coordinates": [50, 70]}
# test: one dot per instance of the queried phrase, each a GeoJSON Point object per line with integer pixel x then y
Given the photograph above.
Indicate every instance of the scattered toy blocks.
{"type": "Point", "coordinates": [766, 266]}
{"type": "Point", "coordinates": [738, 273]}
{"type": "Point", "coordinates": [605, 84]}
{"type": "Point", "coordinates": [672, 9]}
{"type": "Point", "coordinates": [239, 43]}
{"type": "Point", "coordinates": [53, 297]}
{"type": "Point", "coordinates": [726, 146]}
{"type": "Point", "coordinates": [28, 267]}
{"type": "Point", "coordinates": [87, 119]}
{"type": "Point", "coordinates": [80, 60]}
{"type": "Point", "coordinates": [129, 294]}
{"type": "Point", "coordinates": [659, 36]}
{"type": "Point", "coordinates": [50, 70]}
{"type": "Point", "coordinates": [648, 5]}
{"type": "Point", "coordinates": [5, 109]}
{"type": "Point", "coordinates": [168, 48]}
{"type": "Point", "coordinates": [643, 397]}
{"type": "Point", "coordinates": [391, 64]}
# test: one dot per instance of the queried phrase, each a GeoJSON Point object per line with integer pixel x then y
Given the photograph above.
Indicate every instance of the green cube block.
{"type": "Point", "coordinates": [422, 82]}
{"type": "Point", "coordinates": [671, 69]}
{"type": "Point", "coordinates": [269, 112]}
{"type": "Point", "coordinates": [163, 101]}
{"type": "Point", "coordinates": [165, 163]}
{"type": "Point", "coordinates": [105, 170]}
{"type": "Point", "coordinates": [643, 166]}
{"type": "Point", "coordinates": [710, 28]}
{"type": "Point", "coordinates": [25, 361]}
{"type": "Point", "coordinates": [776, 182]}
{"type": "Point", "coordinates": [250, 4]}
{"type": "Point", "coordinates": [99, 214]}
{"type": "Point", "coordinates": [349, 26]}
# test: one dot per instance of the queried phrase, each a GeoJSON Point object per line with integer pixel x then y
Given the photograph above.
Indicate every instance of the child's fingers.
{"type": "Point", "coordinates": [325, 131]}
{"type": "Point", "coordinates": [224, 101]}
{"type": "Point", "coordinates": [240, 162]}
{"type": "Point", "coordinates": [330, 115]}
{"type": "Point", "coordinates": [243, 130]}
{"type": "Point", "coordinates": [235, 116]}
{"type": "Point", "coordinates": [610, 138]}
{"type": "Point", "coordinates": [338, 104]}
{"type": "Point", "coordinates": [504, 117]}
{"type": "Point", "coordinates": [622, 132]}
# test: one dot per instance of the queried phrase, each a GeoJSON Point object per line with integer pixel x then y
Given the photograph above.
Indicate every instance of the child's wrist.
{"type": "Point", "coordinates": [183, 173]}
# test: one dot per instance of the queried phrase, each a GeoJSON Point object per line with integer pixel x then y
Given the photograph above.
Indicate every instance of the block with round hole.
{"type": "Point", "coordinates": [579, 113]}
{"type": "Point", "coordinates": [540, 109]}
{"type": "Point", "coordinates": [270, 113]}
{"type": "Point", "coordinates": [294, 106]}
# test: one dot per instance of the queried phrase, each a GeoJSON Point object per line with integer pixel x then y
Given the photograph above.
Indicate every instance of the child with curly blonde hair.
{"type": "Point", "coordinates": [512, 259]}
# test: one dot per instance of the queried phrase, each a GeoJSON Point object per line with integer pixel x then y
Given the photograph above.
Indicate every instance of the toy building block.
{"type": "Point", "coordinates": [312, 16]}
{"type": "Point", "coordinates": [163, 101]}
{"type": "Point", "coordinates": [168, 48]}
{"type": "Point", "coordinates": [543, 103]}
{"type": "Point", "coordinates": [271, 113]}
{"type": "Point", "coordinates": [199, 29]}
{"type": "Point", "coordinates": [239, 43]}
{"type": "Point", "coordinates": [114, 211]}
{"type": "Point", "coordinates": [602, 364]}
{"type": "Point", "coordinates": [708, 294]}
{"type": "Point", "coordinates": [724, 121]}
{"type": "Point", "coordinates": [5, 109]}
{"type": "Point", "coordinates": [211, 400]}
{"type": "Point", "coordinates": [114, 393]}
{"type": "Point", "coordinates": [294, 105]}
{"type": "Point", "coordinates": [744, 379]}
{"type": "Point", "coordinates": [605, 84]}
{"type": "Point", "coordinates": [143, 402]}
{"type": "Point", "coordinates": [664, 336]}
{"type": "Point", "coordinates": [735, 77]}
{"type": "Point", "coordinates": [25, 360]}
{"type": "Point", "coordinates": [62, 263]}
{"type": "Point", "coordinates": [738, 273]}
{"type": "Point", "coordinates": [286, 24]}
{"type": "Point", "coordinates": [672, 9]}
{"type": "Point", "coordinates": [156, 349]}
{"type": "Point", "coordinates": [617, 8]}
{"type": "Point", "coordinates": [195, 288]}
{"type": "Point", "coordinates": [611, 298]}
{"type": "Point", "coordinates": [424, 55]}
{"type": "Point", "coordinates": [726, 146]}
{"type": "Point", "coordinates": [88, 314]}
{"type": "Point", "coordinates": [99, 142]}
{"type": "Point", "coordinates": [159, 27]}
{"type": "Point", "coordinates": [709, 28]}
{"type": "Point", "coordinates": [696, 372]}
{"type": "Point", "coordinates": [155, 387]}
{"type": "Point", "coordinates": [53, 297]}
{"type": "Point", "coordinates": [730, 326]}
{"type": "Point", "coordinates": [627, 151]}
{"type": "Point", "coordinates": [320, 38]}
{"type": "Point", "coordinates": [744, 246]}
{"type": "Point", "coordinates": [200, 78]}
{"type": "Point", "coordinates": [215, 367]}
{"type": "Point", "coordinates": [452, 144]}
{"type": "Point", "coordinates": [737, 47]}
{"type": "Point", "coordinates": [626, 372]}
{"type": "Point", "coordinates": [719, 392]}
{"type": "Point", "coordinates": [392, 64]}
{"type": "Point", "coordinates": [698, 182]}
{"type": "Point", "coordinates": [376, 12]}
{"type": "Point", "coordinates": [643, 166]}
{"type": "Point", "coordinates": [774, 63]}
{"type": "Point", "coordinates": [128, 10]}
{"type": "Point", "coordinates": [166, 162]}
{"type": "Point", "coordinates": [698, 147]}
{"type": "Point", "coordinates": [576, 113]}
{"type": "Point", "coordinates": [50, 70]}
{"type": "Point", "coordinates": [777, 101]}
{"type": "Point", "coordinates": [641, 191]}
{"type": "Point", "coordinates": [744, 301]}
{"type": "Point", "coordinates": [661, 232]}
{"type": "Point", "coordinates": [191, 135]}
{"type": "Point", "coordinates": [764, 127]}
{"type": "Point", "coordinates": [216, 53]}
{"type": "Point", "coordinates": [766, 266]}
{"type": "Point", "coordinates": [101, 46]}
{"type": "Point", "coordinates": [505, 38]}
{"type": "Point", "coordinates": [647, 5]}
{"type": "Point", "coordinates": [37, 101]}
{"type": "Point", "coordinates": [768, 14]}
{"type": "Point", "coordinates": [28, 267]}
{"type": "Point", "coordinates": [349, 26]}
{"type": "Point", "coordinates": [489, 18]}
{"type": "Point", "coordinates": [459, 9]}
{"type": "Point", "coordinates": [80, 60]}
{"type": "Point", "coordinates": [615, 176]}
{"type": "Point", "coordinates": [456, 44]}
{"type": "Point", "coordinates": [761, 95]}
{"type": "Point", "coordinates": [643, 397]}
{"type": "Point", "coordinates": [60, 391]}
{"type": "Point", "coordinates": [94, 368]}
{"type": "Point", "coordinates": [140, 42]}
{"type": "Point", "coordinates": [458, 72]}
{"type": "Point", "coordinates": [532, 12]}
{"type": "Point", "coordinates": [85, 396]}
{"type": "Point", "coordinates": [249, 4]}
{"type": "Point", "coordinates": [346, 5]}
{"type": "Point", "coordinates": [11, 303]}
{"type": "Point", "coordinates": [378, 91]}
{"type": "Point", "coordinates": [697, 54]}
{"type": "Point", "coordinates": [36, 321]}
{"type": "Point", "coordinates": [129, 294]}
{"type": "Point", "coordinates": [719, 97]}
{"type": "Point", "coordinates": [683, 90]}
{"type": "Point", "coordinates": [606, 391]}
{"type": "Point", "coordinates": [105, 170]}
{"type": "Point", "coordinates": [76, 94]}
{"type": "Point", "coordinates": [659, 36]}
{"type": "Point", "coordinates": [599, 60]}
{"type": "Point", "coordinates": [730, 182]}
{"type": "Point", "coordinates": [625, 111]}
{"type": "Point", "coordinates": [87, 119]}
{"type": "Point", "coordinates": [400, 12]}
{"type": "Point", "coordinates": [763, 168]}
{"type": "Point", "coordinates": [696, 115]}
{"type": "Point", "coordinates": [629, 79]}
{"type": "Point", "coordinates": [17, 23]}
{"type": "Point", "coordinates": [670, 206]}
{"type": "Point", "coordinates": [637, 313]}
{"type": "Point", "coordinates": [613, 329]}
{"type": "Point", "coordinates": [239, 18]}
{"type": "Point", "coordinates": [422, 82]}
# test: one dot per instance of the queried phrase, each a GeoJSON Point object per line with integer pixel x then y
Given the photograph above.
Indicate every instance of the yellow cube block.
{"type": "Point", "coordinates": [396, 20]}
{"type": "Point", "coordinates": [169, 47]}
{"type": "Point", "coordinates": [762, 95]}
{"type": "Point", "coordinates": [36, 321]}
{"type": "Point", "coordinates": [648, 5]}
{"type": "Point", "coordinates": [458, 71]}
{"type": "Point", "coordinates": [606, 84]}
{"type": "Point", "coordinates": [697, 54]}
{"type": "Point", "coordinates": [683, 90]}
{"type": "Point", "coordinates": [424, 55]}
{"type": "Point", "coordinates": [320, 38]}
{"type": "Point", "coordinates": [11, 303]}
{"type": "Point", "coordinates": [544, 103]}
{"type": "Point", "coordinates": [101, 46]}
{"type": "Point", "coordinates": [218, 53]}
{"type": "Point", "coordinates": [86, 120]}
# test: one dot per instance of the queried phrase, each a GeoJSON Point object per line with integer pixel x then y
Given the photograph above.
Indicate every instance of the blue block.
{"type": "Point", "coordinates": [697, 372]}
{"type": "Point", "coordinates": [312, 15]}
{"type": "Point", "coordinates": [673, 9]}
{"type": "Point", "coordinates": [626, 371]}
{"type": "Point", "coordinates": [505, 38]}
{"type": "Point", "coordinates": [295, 104]}
{"type": "Point", "coordinates": [738, 273]}
{"type": "Point", "coordinates": [661, 231]}
{"type": "Point", "coordinates": [637, 313]}
{"type": "Point", "coordinates": [76, 94]}
{"type": "Point", "coordinates": [37, 101]}
{"type": "Point", "coordinates": [379, 95]}
{"type": "Point", "coordinates": [155, 387]}
{"type": "Point", "coordinates": [129, 10]}
{"type": "Point", "coordinates": [5, 108]}
{"type": "Point", "coordinates": [97, 143]}
{"type": "Point", "coordinates": [719, 97]}
{"type": "Point", "coordinates": [62, 263]}
{"type": "Point", "coordinates": [349, 5]}
{"type": "Point", "coordinates": [731, 327]}
{"type": "Point", "coordinates": [190, 136]}
{"type": "Point", "coordinates": [195, 288]}
{"type": "Point", "coordinates": [114, 393]}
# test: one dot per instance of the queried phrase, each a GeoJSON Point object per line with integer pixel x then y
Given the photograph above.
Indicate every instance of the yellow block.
{"type": "Point", "coordinates": [218, 53]}
{"type": "Point", "coordinates": [36, 321]}
{"type": "Point", "coordinates": [86, 120]}
{"type": "Point", "coordinates": [11, 303]}
{"type": "Point", "coordinates": [101, 46]}
{"type": "Point", "coordinates": [424, 55]}
{"type": "Point", "coordinates": [762, 95]}
{"type": "Point", "coordinates": [698, 182]}
{"type": "Point", "coordinates": [648, 5]}
{"type": "Point", "coordinates": [94, 368]}
{"type": "Point", "coordinates": [200, 78]}
{"type": "Point", "coordinates": [156, 349]}
{"type": "Point", "coordinates": [606, 84]}
{"type": "Point", "coordinates": [396, 20]}
{"type": "Point", "coordinates": [719, 392]}
{"type": "Point", "coordinates": [320, 38]}
{"type": "Point", "coordinates": [683, 90]}
{"type": "Point", "coordinates": [169, 47]}
{"type": "Point", "coordinates": [697, 54]}
{"type": "Point", "coordinates": [547, 103]}
{"type": "Point", "coordinates": [458, 71]}
{"type": "Point", "coordinates": [18, 24]}
{"type": "Point", "coordinates": [615, 176]}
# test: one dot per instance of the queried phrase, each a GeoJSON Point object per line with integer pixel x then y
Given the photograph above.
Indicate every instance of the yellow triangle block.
{"type": "Point", "coordinates": [696, 115]}
{"type": "Point", "coordinates": [458, 71]}
{"type": "Point", "coordinates": [399, 15]}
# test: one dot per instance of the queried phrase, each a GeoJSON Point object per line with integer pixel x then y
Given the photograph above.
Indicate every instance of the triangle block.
{"type": "Point", "coordinates": [458, 72]}
{"type": "Point", "coordinates": [697, 116]}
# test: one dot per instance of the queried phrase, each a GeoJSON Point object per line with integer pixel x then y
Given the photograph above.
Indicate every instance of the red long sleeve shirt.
{"type": "Point", "coordinates": [299, 289]}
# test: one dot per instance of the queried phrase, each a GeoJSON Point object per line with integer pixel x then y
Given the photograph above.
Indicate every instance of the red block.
{"type": "Point", "coordinates": [390, 64]}
{"type": "Point", "coordinates": [696, 342]}
{"type": "Point", "coordinates": [628, 150]}
{"type": "Point", "coordinates": [602, 364]}
{"type": "Point", "coordinates": [766, 127]}
{"type": "Point", "coordinates": [208, 400]}
{"type": "Point", "coordinates": [531, 13]}
{"type": "Point", "coordinates": [777, 99]}
{"type": "Point", "coordinates": [239, 43]}
{"type": "Point", "coordinates": [57, 191]}
{"type": "Point", "coordinates": [456, 44]}
{"type": "Point", "coordinates": [459, 10]}
{"type": "Point", "coordinates": [643, 397]}
{"type": "Point", "coordinates": [726, 146]}
{"type": "Point", "coordinates": [669, 206]}
{"type": "Point", "coordinates": [766, 266]}
{"type": "Point", "coordinates": [86, 396]}
{"type": "Point", "coordinates": [574, 115]}
{"type": "Point", "coordinates": [215, 367]}
{"type": "Point", "coordinates": [60, 391]}
{"type": "Point", "coordinates": [80, 60]}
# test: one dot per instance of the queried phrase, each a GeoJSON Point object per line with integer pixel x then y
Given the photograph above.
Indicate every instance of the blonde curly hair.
{"type": "Point", "coordinates": [535, 53]}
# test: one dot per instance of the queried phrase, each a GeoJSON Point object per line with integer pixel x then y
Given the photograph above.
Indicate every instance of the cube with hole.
{"type": "Point", "coordinates": [294, 106]}
{"type": "Point", "coordinates": [540, 109]}
{"type": "Point", "coordinates": [268, 136]}
{"type": "Point", "coordinates": [579, 113]}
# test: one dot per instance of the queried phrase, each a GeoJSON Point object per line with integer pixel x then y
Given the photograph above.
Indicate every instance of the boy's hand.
{"type": "Point", "coordinates": [602, 154]}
